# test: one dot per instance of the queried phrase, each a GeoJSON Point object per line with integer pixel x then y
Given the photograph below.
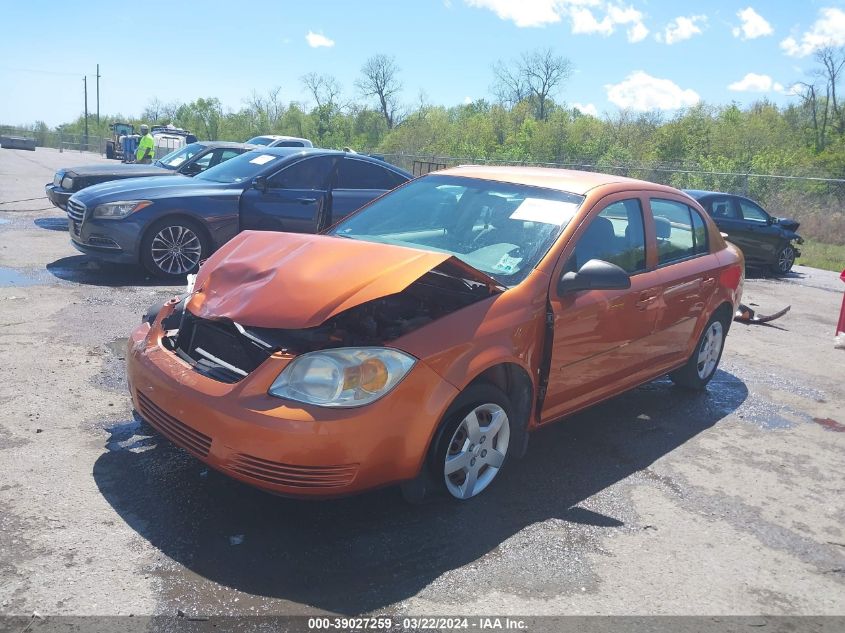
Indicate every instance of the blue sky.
{"type": "Point", "coordinates": [637, 54]}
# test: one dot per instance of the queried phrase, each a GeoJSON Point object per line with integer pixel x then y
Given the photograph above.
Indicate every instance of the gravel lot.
{"type": "Point", "coordinates": [657, 502]}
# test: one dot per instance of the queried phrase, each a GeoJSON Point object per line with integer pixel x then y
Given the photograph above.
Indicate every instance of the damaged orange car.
{"type": "Point", "coordinates": [421, 340]}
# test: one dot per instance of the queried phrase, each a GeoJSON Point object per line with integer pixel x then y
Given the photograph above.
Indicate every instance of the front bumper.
{"type": "Point", "coordinates": [109, 240]}
{"type": "Point", "coordinates": [57, 195]}
{"type": "Point", "coordinates": [281, 446]}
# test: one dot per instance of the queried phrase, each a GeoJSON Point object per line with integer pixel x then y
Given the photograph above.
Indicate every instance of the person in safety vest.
{"type": "Point", "coordinates": [146, 146]}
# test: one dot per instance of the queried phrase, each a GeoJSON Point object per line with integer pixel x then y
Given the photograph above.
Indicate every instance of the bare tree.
{"type": "Point", "coordinates": [379, 78]}
{"type": "Point", "coordinates": [537, 75]}
{"type": "Point", "coordinates": [152, 113]}
{"type": "Point", "coordinates": [832, 61]}
{"type": "Point", "coordinates": [324, 89]}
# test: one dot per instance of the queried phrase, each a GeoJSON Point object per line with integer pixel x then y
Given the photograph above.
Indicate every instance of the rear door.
{"type": "Point", "coordinates": [297, 198]}
{"type": "Point", "coordinates": [601, 337]}
{"type": "Point", "coordinates": [357, 182]}
{"type": "Point", "coordinates": [687, 273]}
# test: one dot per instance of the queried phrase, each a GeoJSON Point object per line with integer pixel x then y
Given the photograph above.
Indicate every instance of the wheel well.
{"type": "Point", "coordinates": [515, 382]}
{"type": "Point", "coordinates": [725, 313]}
{"type": "Point", "coordinates": [171, 216]}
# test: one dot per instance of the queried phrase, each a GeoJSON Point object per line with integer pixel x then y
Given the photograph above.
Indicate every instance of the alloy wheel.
{"type": "Point", "coordinates": [476, 451]}
{"type": "Point", "coordinates": [786, 258]}
{"type": "Point", "coordinates": [176, 250]}
{"type": "Point", "coordinates": [710, 350]}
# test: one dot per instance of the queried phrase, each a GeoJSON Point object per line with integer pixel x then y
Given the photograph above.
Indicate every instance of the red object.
{"type": "Point", "coordinates": [841, 326]}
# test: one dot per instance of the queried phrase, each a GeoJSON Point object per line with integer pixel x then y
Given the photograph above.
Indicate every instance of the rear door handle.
{"type": "Point", "coordinates": [646, 298]}
{"type": "Point", "coordinates": [708, 281]}
{"type": "Point", "coordinates": [306, 200]}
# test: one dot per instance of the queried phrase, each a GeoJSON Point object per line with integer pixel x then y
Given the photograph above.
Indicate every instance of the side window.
{"type": "Point", "coordinates": [676, 237]}
{"type": "Point", "coordinates": [204, 162]}
{"type": "Point", "coordinates": [699, 233]}
{"type": "Point", "coordinates": [722, 209]}
{"type": "Point", "coordinates": [311, 173]}
{"type": "Point", "coordinates": [752, 212]}
{"type": "Point", "coordinates": [615, 235]}
{"type": "Point", "coordinates": [290, 144]}
{"type": "Point", "coordinates": [226, 154]}
{"type": "Point", "coordinates": [357, 174]}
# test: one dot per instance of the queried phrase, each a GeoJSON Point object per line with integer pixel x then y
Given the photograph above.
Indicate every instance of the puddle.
{"type": "Point", "coordinates": [130, 436]}
{"type": "Point", "coordinates": [51, 224]}
{"type": "Point", "coordinates": [830, 425]}
{"type": "Point", "coordinates": [2, 221]}
{"type": "Point", "coordinates": [11, 278]}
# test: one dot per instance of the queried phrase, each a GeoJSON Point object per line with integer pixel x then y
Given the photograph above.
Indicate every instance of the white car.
{"type": "Point", "coordinates": [273, 140]}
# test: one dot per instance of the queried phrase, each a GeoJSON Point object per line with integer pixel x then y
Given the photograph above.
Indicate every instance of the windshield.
{"type": "Point", "coordinates": [259, 140]}
{"type": "Point", "coordinates": [499, 228]}
{"type": "Point", "coordinates": [241, 168]}
{"type": "Point", "coordinates": [176, 158]}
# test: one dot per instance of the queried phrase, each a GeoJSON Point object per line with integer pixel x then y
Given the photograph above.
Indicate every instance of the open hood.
{"type": "Point", "coordinates": [294, 281]}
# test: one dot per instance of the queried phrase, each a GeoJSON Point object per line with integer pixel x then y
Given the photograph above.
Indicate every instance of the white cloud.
{"type": "Point", "coordinates": [582, 15]}
{"type": "Point", "coordinates": [586, 108]}
{"type": "Point", "coordinates": [828, 30]}
{"type": "Point", "coordinates": [753, 25]}
{"type": "Point", "coordinates": [752, 82]}
{"type": "Point", "coordinates": [637, 33]}
{"type": "Point", "coordinates": [642, 92]}
{"type": "Point", "coordinates": [317, 40]}
{"type": "Point", "coordinates": [467, 100]}
{"type": "Point", "coordinates": [523, 13]}
{"type": "Point", "coordinates": [681, 28]}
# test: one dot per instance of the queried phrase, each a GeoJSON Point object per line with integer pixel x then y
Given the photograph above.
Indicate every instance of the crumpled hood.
{"type": "Point", "coordinates": [293, 280]}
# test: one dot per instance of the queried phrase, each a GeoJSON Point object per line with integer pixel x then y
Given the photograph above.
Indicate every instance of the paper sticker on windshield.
{"type": "Point", "coordinates": [507, 264]}
{"type": "Point", "coordinates": [177, 161]}
{"type": "Point", "coordinates": [545, 211]}
{"type": "Point", "coordinates": [263, 159]}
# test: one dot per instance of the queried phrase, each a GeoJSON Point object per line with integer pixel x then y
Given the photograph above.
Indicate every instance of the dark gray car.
{"type": "Point", "coordinates": [170, 224]}
{"type": "Point", "coordinates": [189, 160]}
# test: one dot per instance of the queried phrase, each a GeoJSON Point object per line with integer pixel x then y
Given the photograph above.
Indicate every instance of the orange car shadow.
{"type": "Point", "coordinates": [368, 552]}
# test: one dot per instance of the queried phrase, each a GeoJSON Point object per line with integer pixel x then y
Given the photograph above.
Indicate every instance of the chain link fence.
{"type": "Point", "coordinates": [59, 140]}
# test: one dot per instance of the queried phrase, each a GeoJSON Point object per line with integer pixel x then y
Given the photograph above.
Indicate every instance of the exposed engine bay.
{"type": "Point", "coordinates": [228, 351]}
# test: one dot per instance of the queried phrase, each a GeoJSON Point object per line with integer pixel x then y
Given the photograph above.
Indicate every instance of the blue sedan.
{"type": "Point", "coordinates": [169, 224]}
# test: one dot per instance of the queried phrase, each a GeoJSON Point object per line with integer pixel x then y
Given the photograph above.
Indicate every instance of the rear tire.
{"type": "Point", "coordinates": [784, 260]}
{"type": "Point", "coordinates": [704, 361]}
{"type": "Point", "coordinates": [471, 446]}
{"type": "Point", "coordinates": [110, 150]}
{"type": "Point", "coordinates": [173, 248]}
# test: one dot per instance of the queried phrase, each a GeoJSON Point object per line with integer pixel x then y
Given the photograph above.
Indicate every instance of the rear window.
{"type": "Point", "coordinates": [681, 232]}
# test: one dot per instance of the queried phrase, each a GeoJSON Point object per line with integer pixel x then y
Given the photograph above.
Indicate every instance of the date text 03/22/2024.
{"type": "Point", "coordinates": [417, 623]}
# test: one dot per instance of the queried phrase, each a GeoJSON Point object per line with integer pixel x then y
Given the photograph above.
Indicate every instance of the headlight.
{"type": "Point", "coordinates": [345, 377]}
{"type": "Point", "coordinates": [67, 183]}
{"type": "Point", "coordinates": [118, 210]}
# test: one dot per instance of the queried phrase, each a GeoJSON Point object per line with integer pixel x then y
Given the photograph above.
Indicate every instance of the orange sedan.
{"type": "Point", "coordinates": [421, 340]}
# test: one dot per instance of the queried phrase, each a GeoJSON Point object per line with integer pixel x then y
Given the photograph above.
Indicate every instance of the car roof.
{"type": "Point", "coordinates": [226, 144]}
{"type": "Point", "coordinates": [568, 180]}
{"type": "Point", "coordinates": [277, 137]}
{"type": "Point", "coordinates": [290, 152]}
{"type": "Point", "coordinates": [700, 193]}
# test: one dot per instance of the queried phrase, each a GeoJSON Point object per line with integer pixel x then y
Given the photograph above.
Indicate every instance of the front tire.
{"type": "Point", "coordinates": [784, 260]}
{"type": "Point", "coordinates": [173, 248]}
{"type": "Point", "coordinates": [702, 365]}
{"type": "Point", "coordinates": [471, 447]}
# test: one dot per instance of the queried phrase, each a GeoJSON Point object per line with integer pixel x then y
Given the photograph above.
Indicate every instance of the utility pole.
{"type": "Point", "coordinates": [98, 97]}
{"type": "Point", "coordinates": [85, 84]}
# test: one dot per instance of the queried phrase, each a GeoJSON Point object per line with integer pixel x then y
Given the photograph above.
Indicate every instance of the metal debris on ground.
{"type": "Point", "coordinates": [744, 314]}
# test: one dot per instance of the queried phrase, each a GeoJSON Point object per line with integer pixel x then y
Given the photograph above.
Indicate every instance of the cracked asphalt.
{"type": "Point", "coordinates": [656, 502]}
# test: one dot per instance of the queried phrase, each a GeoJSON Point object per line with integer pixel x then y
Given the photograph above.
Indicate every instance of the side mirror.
{"type": "Point", "coordinates": [260, 183]}
{"type": "Point", "coordinates": [596, 274]}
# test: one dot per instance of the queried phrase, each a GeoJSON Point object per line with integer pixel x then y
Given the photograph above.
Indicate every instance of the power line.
{"type": "Point", "coordinates": [41, 72]}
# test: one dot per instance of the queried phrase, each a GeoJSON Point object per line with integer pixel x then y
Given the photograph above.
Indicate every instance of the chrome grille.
{"type": "Point", "coordinates": [75, 210]}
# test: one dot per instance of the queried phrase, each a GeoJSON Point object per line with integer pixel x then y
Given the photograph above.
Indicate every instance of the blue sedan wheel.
{"type": "Point", "coordinates": [173, 248]}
